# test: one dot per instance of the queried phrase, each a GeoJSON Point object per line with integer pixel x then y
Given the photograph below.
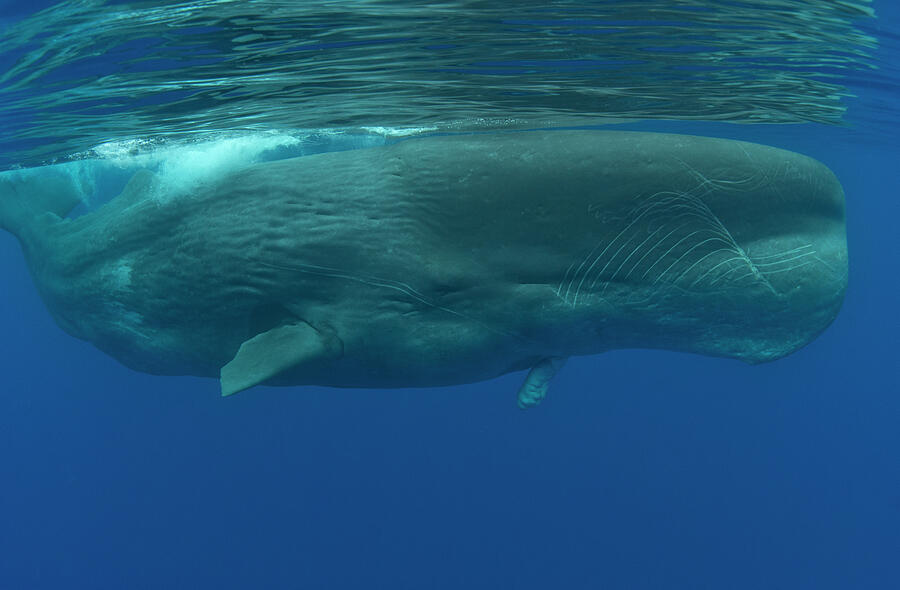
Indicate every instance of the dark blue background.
{"type": "Point", "coordinates": [642, 469]}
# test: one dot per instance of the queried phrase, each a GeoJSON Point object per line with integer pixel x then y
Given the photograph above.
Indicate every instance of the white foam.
{"type": "Point", "coordinates": [399, 131]}
{"type": "Point", "coordinates": [181, 168]}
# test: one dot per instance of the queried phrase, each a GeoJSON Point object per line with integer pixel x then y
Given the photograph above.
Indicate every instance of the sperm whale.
{"type": "Point", "coordinates": [446, 259]}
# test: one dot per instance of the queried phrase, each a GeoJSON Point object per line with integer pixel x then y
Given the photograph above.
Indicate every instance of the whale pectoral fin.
{"type": "Point", "coordinates": [536, 383]}
{"type": "Point", "coordinates": [272, 352]}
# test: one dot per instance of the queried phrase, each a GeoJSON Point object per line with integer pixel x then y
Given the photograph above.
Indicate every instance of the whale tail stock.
{"type": "Point", "coordinates": [30, 199]}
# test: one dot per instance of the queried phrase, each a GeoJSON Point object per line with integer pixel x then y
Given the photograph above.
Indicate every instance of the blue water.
{"type": "Point", "coordinates": [642, 469]}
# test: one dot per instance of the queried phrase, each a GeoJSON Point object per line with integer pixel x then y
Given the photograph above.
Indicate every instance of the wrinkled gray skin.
{"type": "Point", "coordinates": [444, 260]}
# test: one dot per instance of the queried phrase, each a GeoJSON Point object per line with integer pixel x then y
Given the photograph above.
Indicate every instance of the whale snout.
{"type": "Point", "coordinates": [716, 247]}
{"type": "Point", "coordinates": [791, 229]}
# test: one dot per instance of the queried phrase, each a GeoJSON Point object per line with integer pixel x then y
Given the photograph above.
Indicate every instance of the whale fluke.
{"type": "Point", "coordinates": [27, 201]}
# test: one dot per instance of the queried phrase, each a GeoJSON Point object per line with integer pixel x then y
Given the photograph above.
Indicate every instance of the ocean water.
{"type": "Point", "coordinates": [642, 469]}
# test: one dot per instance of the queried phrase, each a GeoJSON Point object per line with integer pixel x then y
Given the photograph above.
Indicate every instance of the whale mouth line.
{"type": "Point", "coordinates": [383, 283]}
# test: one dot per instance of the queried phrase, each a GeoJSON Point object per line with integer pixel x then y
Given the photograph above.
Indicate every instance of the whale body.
{"type": "Point", "coordinates": [447, 259]}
